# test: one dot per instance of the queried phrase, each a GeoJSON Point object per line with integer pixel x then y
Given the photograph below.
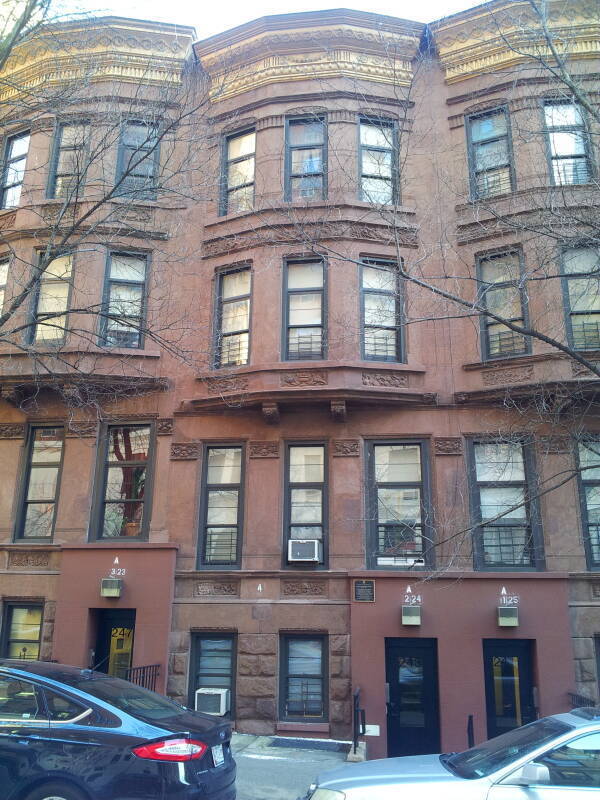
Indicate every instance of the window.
{"type": "Point", "coordinates": [305, 159]}
{"type": "Point", "coordinates": [510, 536]}
{"type": "Point", "coordinates": [41, 484]}
{"type": "Point", "coordinates": [3, 279]}
{"type": "Point", "coordinates": [589, 483]}
{"type": "Point", "coordinates": [124, 300]}
{"type": "Point", "coordinates": [22, 631]}
{"type": "Point", "coordinates": [304, 310]}
{"type": "Point", "coordinates": [233, 318]}
{"type": "Point", "coordinates": [581, 271]}
{"type": "Point", "coordinates": [305, 494]}
{"type": "Point", "coordinates": [238, 178]}
{"type": "Point", "coordinates": [52, 301]}
{"type": "Point", "coordinates": [399, 519]}
{"type": "Point", "coordinates": [139, 158]}
{"type": "Point", "coordinates": [490, 153]}
{"type": "Point", "coordinates": [576, 763]}
{"type": "Point", "coordinates": [20, 700]}
{"type": "Point", "coordinates": [213, 664]}
{"type": "Point", "coordinates": [381, 311]}
{"type": "Point", "coordinates": [68, 169]}
{"type": "Point", "coordinates": [567, 143]}
{"type": "Point", "coordinates": [222, 504]}
{"type": "Point", "coordinates": [15, 157]}
{"type": "Point", "coordinates": [64, 709]}
{"type": "Point", "coordinates": [303, 678]}
{"type": "Point", "coordinates": [124, 500]}
{"type": "Point", "coordinates": [500, 294]}
{"type": "Point", "coordinates": [378, 157]}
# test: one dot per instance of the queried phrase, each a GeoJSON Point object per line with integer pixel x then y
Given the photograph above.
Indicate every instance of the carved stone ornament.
{"type": "Point", "coordinates": [270, 412]}
{"type": "Point", "coordinates": [338, 410]}
{"type": "Point", "coordinates": [164, 426]}
{"type": "Point", "coordinates": [311, 588]}
{"type": "Point", "coordinates": [7, 221]}
{"type": "Point", "coordinates": [31, 559]}
{"type": "Point", "coordinates": [235, 383]}
{"type": "Point", "coordinates": [264, 449]}
{"type": "Point", "coordinates": [185, 451]}
{"type": "Point", "coordinates": [581, 371]}
{"type": "Point", "coordinates": [390, 379]}
{"type": "Point", "coordinates": [447, 446]}
{"type": "Point", "coordinates": [217, 588]}
{"type": "Point", "coordinates": [346, 447]}
{"type": "Point", "coordinates": [304, 377]}
{"type": "Point", "coordinates": [555, 445]}
{"type": "Point", "coordinates": [12, 430]}
{"type": "Point", "coordinates": [81, 430]}
{"type": "Point", "coordinates": [500, 377]}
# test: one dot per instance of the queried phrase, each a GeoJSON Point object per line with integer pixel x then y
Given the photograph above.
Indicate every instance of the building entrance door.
{"type": "Point", "coordinates": [508, 669]}
{"type": "Point", "coordinates": [413, 719]}
{"type": "Point", "coordinates": [114, 643]}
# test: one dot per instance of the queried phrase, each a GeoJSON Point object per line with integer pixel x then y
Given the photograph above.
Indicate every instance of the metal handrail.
{"type": "Point", "coordinates": [145, 676]}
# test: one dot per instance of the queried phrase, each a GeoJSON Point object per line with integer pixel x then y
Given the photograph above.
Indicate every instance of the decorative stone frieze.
{"type": "Point", "coordinates": [32, 559]}
{"type": "Point", "coordinates": [500, 377]}
{"type": "Point", "coordinates": [386, 379]}
{"type": "Point", "coordinates": [217, 589]}
{"type": "Point", "coordinates": [234, 383]}
{"type": "Point", "coordinates": [81, 430]}
{"type": "Point", "coordinates": [346, 447]}
{"type": "Point", "coordinates": [270, 412]}
{"type": "Point", "coordinates": [311, 588]}
{"type": "Point", "coordinates": [581, 371]}
{"type": "Point", "coordinates": [263, 449]}
{"type": "Point", "coordinates": [447, 446]}
{"type": "Point", "coordinates": [164, 426]}
{"type": "Point", "coordinates": [12, 430]}
{"type": "Point", "coordinates": [185, 451]}
{"type": "Point", "coordinates": [304, 377]}
{"type": "Point", "coordinates": [554, 445]}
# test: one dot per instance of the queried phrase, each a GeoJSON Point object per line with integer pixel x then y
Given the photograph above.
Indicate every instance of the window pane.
{"type": "Point", "coordinates": [562, 114]}
{"type": "Point", "coordinates": [306, 506]}
{"type": "Point", "coordinates": [233, 349]}
{"type": "Point", "coordinates": [128, 443]}
{"type": "Point", "coordinates": [25, 623]}
{"type": "Point", "coordinates": [377, 190]}
{"type": "Point", "coordinates": [18, 699]}
{"type": "Point", "coordinates": [490, 155]}
{"type": "Point", "coordinates": [584, 294]}
{"type": "Point", "coordinates": [307, 187]}
{"type": "Point", "coordinates": [239, 146]}
{"type": "Point", "coordinates": [305, 309]}
{"type": "Point", "coordinates": [38, 520]}
{"type": "Point", "coordinates": [53, 298]}
{"type": "Point", "coordinates": [12, 197]}
{"type": "Point", "coordinates": [47, 446]}
{"type": "Point", "coordinates": [496, 501]}
{"type": "Point", "coordinates": [503, 269]}
{"type": "Point", "coordinates": [380, 308]}
{"type": "Point", "coordinates": [235, 316]}
{"type": "Point", "coordinates": [19, 146]}
{"type": "Point", "coordinates": [376, 135]}
{"type": "Point", "coordinates": [69, 162]}
{"type": "Point", "coordinates": [496, 462]}
{"type": "Point", "coordinates": [15, 171]}
{"type": "Point", "coordinates": [399, 505]}
{"type": "Point", "coordinates": [581, 259]}
{"type": "Point", "coordinates": [567, 143]}
{"type": "Point", "coordinates": [379, 278]}
{"type": "Point", "coordinates": [58, 269]}
{"type": "Point", "coordinates": [309, 132]}
{"type": "Point", "coordinates": [575, 764]}
{"type": "Point", "coordinates": [395, 463]}
{"type": "Point", "coordinates": [65, 186]}
{"type": "Point", "coordinates": [125, 483]}
{"type": "Point", "coordinates": [493, 182]}
{"type": "Point", "coordinates": [215, 656]}
{"type": "Point", "coordinates": [377, 163]}
{"type": "Point", "coordinates": [570, 170]}
{"type": "Point", "coordinates": [221, 545]}
{"type": "Point", "coordinates": [52, 330]}
{"type": "Point", "coordinates": [224, 465]}
{"type": "Point", "coordinates": [127, 268]}
{"type": "Point", "coordinates": [505, 302]}
{"type": "Point", "coordinates": [222, 507]}
{"type": "Point", "coordinates": [61, 708]}
{"type": "Point", "coordinates": [307, 464]}
{"type": "Point", "coordinates": [139, 134]}
{"type": "Point", "coordinates": [305, 276]}
{"type": "Point", "coordinates": [73, 135]}
{"type": "Point", "coordinates": [125, 300]}
{"type": "Point", "coordinates": [305, 343]}
{"type": "Point", "coordinates": [589, 456]}
{"type": "Point", "coordinates": [122, 519]}
{"type": "Point", "coordinates": [501, 339]}
{"type": "Point", "coordinates": [42, 483]}
{"type": "Point", "coordinates": [241, 199]}
{"type": "Point", "coordinates": [307, 161]}
{"type": "Point", "coordinates": [304, 657]}
{"type": "Point", "coordinates": [488, 127]}
{"type": "Point", "coordinates": [592, 497]}
{"type": "Point", "coordinates": [381, 343]}
{"type": "Point", "coordinates": [240, 172]}
{"type": "Point", "coordinates": [3, 272]}
{"type": "Point", "coordinates": [235, 284]}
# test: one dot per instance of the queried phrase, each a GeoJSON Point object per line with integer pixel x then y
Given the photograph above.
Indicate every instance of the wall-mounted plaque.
{"type": "Point", "coordinates": [364, 591]}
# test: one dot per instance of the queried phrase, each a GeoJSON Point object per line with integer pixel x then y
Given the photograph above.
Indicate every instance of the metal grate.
{"type": "Point", "coordinates": [507, 545]}
{"type": "Point", "coordinates": [402, 541]}
{"type": "Point", "coordinates": [586, 335]}
{"type": "Point", "coordinates": [305, 346]}
{"type": "Point", "coordinates": [505, 342]}
{"type": "Point", "coordinates": [380, 346]}
{"type": "Point", "coordinates": [233, 350]}
{"type": "Point", "coordinates": [221, 545]}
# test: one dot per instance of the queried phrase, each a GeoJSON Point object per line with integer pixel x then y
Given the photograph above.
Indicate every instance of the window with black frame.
{"type": "Point", "coordinates": [222, 506]}
{"type": "Point", "coordinates": [381, 311]}
{"type": "Point", "coordinates": [303, 675]}
{"type": "Point", "coordinates": [15, 158]}
{"type": "Point", "coordinates": [52, 301]}
{"type": "Point", "coordinates": [22, 631]}
{"type": "Point", "coordinates": [4, 264]}
{"type": "Point", "coordinates": [304, 310]}
{"type": "Point", "coordinates": [41, 483]}
{"type": "Point", "coordinates": [69, 161]}
{"type": "Point", "coordinates": [305, 497]}
{"type": "Point", "coordinates": [238, 173]}
{"type": "Point", "coordinates": [124, 300]}
{"type": "Point", "coordinates": [378, 158]}
{"type": "Point", "coordinates": [506, 539]}
{"type": "Point", "coordinates": [490, 156]}
{"type": "Point", "coordinates": [124, 500]}
{"type": "Point", "coordinates": [397, 502]}
{"type": "Point", "coordinates": [233, 318]}
{"type": "Point", "coordinates": [138, 160]}
{"type": "Point", "coordinates": [305, 159]}
{"type": "Point", "coordinates": [501, 294]}
{"type": "Point", "coordinates": [213, 668]}
{"type": "Point", "coordinates": [589, 481]}
{"type": "Point", "coordinates": [567, 143]}
{"type": "Point", "coordinates": [581, 278]}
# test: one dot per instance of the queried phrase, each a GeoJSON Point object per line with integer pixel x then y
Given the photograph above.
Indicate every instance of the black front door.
{"type": "Point", "coordinates": [114, 642]}
{"type": "Point", "coordinates": [413, 719]}
{"type": "Point", "coordinates": [508, 669]}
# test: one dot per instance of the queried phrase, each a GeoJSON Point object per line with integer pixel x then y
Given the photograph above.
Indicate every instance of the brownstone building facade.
{"type": "Point", "coordinates": [304, 473]}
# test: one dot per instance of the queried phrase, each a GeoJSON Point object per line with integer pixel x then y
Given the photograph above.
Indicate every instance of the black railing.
{"type": "Point", "coordinates": [144, 676]}
{"type": "Point", "coordinates": [509, 545]}
{"type": "Point", "coordinates": [581, 701]}
{"type": "Point", "coordinates": [358, 719]}
{"type": "Point", "coordinates": [506, 342]}
{"type": "Point", "coordinates": [305, 346]}
{"type": "Point", "coordinates": [586, 335]}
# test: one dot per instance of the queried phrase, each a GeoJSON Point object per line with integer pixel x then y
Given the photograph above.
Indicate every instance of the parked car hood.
{"type": "Point", "coordinates": [386, 771]}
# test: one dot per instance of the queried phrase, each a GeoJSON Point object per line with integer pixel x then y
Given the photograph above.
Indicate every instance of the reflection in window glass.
{"type": "Point", "coordinates": [589, 476]}
{"type": "Point", "coordinates": [305, 310]}
{"type": "Point", "coordinates": [70, 164]}
{"type": "Point", "coordinates": [303, 695]}
{"type": "Point", "coordinates": [489, 153]}
{"type": "Point", "coordinates": [52, 301]}
{"type": "Point", "coordinates": [305, 159]}
{"type": "Point", "coordinates": [581, 269]}
{"type": "Point", "coordinates": [574, 764]}
{"type": "Point", "coordinates": [222, 509]}
{"type": "Point", "coordinates": [378, 156]}
{"type": "Point", "coordinates": [214, 663]}
{"type": "Point", "coordinates": [23, 632]}
{"type": "Point", "coordinates": [499, 292]}
{"type": "Point", "coordinates": [567, 143]}
{"type": "Point", "coordinates": [381, 311]}
{"type": "Point", "coordinates": [239, 173]}
{"type": "Point", "coordinates": [124, 300]}
{"type": "Point", "coordinates": [15, 160]}
{"type": "Point", "coordinates": [305, 487]}
{"type": "Point", "coordinates": [233, 318]}
{"type": "Point", "coordinates": [125, 475]}
{"type": "Point", "coordinates": [41, 483]}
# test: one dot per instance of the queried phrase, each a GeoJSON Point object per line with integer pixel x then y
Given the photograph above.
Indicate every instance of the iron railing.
{"type": "Point", "coordinates": [305, 346]}
{"type": "Point", "coordinates": [509, 545]}
{"type": "Point", "coordinates": [358, 719]}
{"type": "Point", "coordinates": [586, 335]}
{"type": "Point", "coordinates": [581, 701]}
{"type": "Point", "coordinates": [144, 676]}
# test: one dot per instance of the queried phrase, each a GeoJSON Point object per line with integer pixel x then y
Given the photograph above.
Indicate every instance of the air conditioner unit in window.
{"type": "Point", "coordinates": [400, 561]}
{"type": "Point", "coordinates": [212, 701]}
{"type": "Point", "coordinates": [304, 550]}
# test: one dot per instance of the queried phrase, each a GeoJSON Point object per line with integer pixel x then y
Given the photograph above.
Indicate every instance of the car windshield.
{"type": "Point", "coordinates": [132, 699]}
{"type": "Point", "coordinates": [499, 752]}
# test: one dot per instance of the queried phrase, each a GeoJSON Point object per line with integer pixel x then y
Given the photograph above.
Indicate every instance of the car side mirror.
{"type": "Point", "coordinates": [533, 774]}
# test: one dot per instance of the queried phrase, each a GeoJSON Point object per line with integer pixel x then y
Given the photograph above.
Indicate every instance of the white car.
{"type": "Point", "coordinates": [554, 758]}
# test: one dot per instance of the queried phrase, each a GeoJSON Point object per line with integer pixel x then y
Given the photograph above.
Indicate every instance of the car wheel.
{"type": "Point", "coordinates": [55, 791]}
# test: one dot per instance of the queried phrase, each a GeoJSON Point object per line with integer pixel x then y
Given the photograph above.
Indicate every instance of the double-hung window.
{"type": "Point", "coordinates": [233, 318]}
{"type": "Point", "coordinates": [69, 163]}
{"type": "Point", "coordinates": [124, 300]}
{"type": "Point", "coordinates": [490, 158]}
{"type": "Point", "coordinates": [213, 668]}
{"type": "Point", "coordinates": [15, 157]}
{"type": "Point", "coordinates": [4, 262]}
{"type": "Point", "coordinates": [305, 507]}
{"type": "Point", "coordinates": [52, 301]}
{"type": "Point", "coordinates": [507, 530]}
{"type": "Point", "coordinates": [399, 516]}
{"type": "Point", "coordinates": [306, 159]}
{"type": "Point", "coordinates": [41, 483]}
{"type": "Point", "coordinates": [220, 539]}
{"type": "Point", "coordinates": [138, 160]}
{"type": "Point", "coordinates": [381, 311]}
{"type": "Point", "coordinates": [581, 278]}
{"type": "Point", "coordinates": [303, 677]}
{"type": "Point", "coordinates": [238, 177]}
{"type": "Point", "coordinates": [123, 500]}
{"type": "Point", "coordinates": [501, 295]}
{"type": "Point", "coordinates": [22, 631]}
{"type": "Point", "coordinates": [378, 155]}
{"type": "Point", "coordinates": [567, 143]}
{"type": "Point", "coordinates": [589, 482]}
{"type": "Point", "coordinates": [304, 310]}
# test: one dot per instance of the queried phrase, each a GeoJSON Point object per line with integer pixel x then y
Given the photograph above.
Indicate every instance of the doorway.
{"type": "Point", "coordinates": [114, 642]}
{"type": "Point", "coordinates": [509, 695]}
{"type": "Point", "coordinates": [413, 718]}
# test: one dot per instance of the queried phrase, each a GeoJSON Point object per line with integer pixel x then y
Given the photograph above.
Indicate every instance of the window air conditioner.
{"type": "Point", "coordinates": [304, 550]}
{"type": "Point", "coordinates": [212, 701]}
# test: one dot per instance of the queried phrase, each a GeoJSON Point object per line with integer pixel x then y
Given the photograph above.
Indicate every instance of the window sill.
{"type": "Point", "coordinates": [303, 727]}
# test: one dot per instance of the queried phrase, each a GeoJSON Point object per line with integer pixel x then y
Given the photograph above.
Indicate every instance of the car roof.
{"type": "Point", "coordinates": [62, 673]}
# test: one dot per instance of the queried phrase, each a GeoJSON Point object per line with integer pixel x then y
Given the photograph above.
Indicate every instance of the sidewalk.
{"type": "Point", "coordinates": [269, 771]}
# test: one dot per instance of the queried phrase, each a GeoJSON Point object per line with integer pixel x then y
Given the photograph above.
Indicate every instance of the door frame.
{"type": "Point", "coordinates": [520, 647]}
